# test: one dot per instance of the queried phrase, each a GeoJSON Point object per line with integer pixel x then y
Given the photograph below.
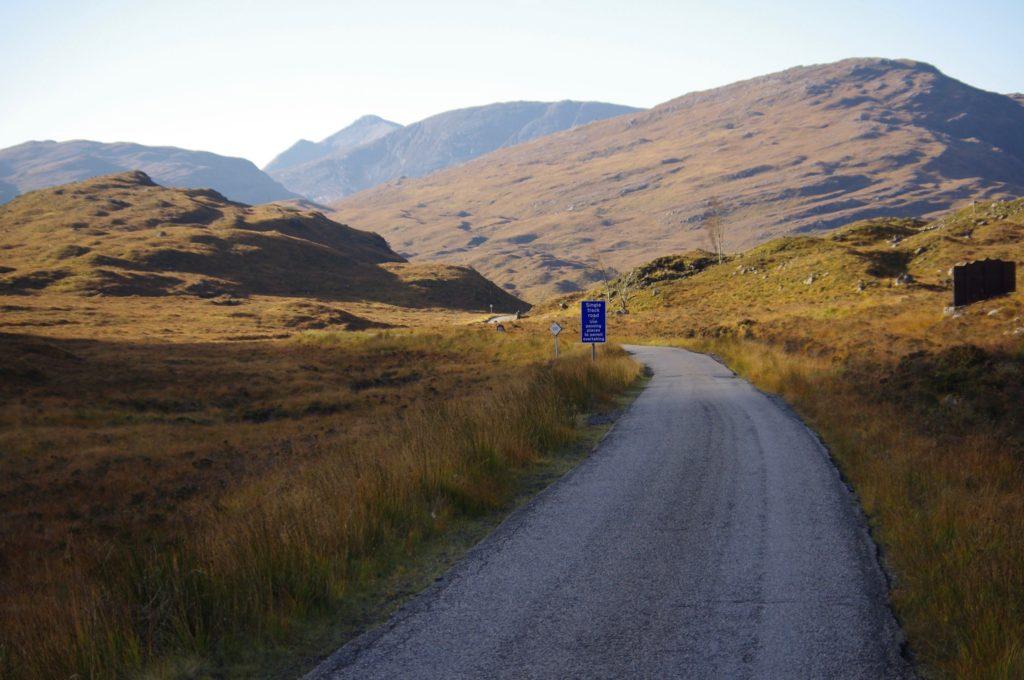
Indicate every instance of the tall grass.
{"type": "Point", "coordinates": [300, 542]}
{"type": "Point", "coordinates": [945, 498]}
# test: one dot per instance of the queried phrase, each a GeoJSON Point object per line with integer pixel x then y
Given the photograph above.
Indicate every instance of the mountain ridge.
{"type": "Point", "coordinates": [805, 149]}
{"type": "Point", "coordinates": [437, 142]}
{"type": "Point", "coordinates": [39, 164]}
{"type": "Point", "coordinates": [361, 131]}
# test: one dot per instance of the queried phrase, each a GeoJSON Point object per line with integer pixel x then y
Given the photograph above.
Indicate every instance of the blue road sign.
{"type": "Point", "coordinates": [592, 321]}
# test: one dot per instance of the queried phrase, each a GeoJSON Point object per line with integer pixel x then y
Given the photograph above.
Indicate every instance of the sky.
{"type": "Point", "coordinates": [250, 78]}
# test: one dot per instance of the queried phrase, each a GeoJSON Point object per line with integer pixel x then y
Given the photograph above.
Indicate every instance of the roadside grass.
{"type": "Point", "coordinates": [920, 405]}
{"type": "Point", "coordinates": [320, 522]}
{"type": "Point", "coordinates": [945, 497]}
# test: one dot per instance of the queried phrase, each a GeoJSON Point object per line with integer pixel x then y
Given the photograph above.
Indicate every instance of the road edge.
{"type": "Point", "coordinates": [349, 652]}
{"type": "Point", "coordinates": [889, 578]}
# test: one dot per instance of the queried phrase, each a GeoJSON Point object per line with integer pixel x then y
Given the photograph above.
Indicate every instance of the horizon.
{"type": "Point", "coordinates": [87, 61]}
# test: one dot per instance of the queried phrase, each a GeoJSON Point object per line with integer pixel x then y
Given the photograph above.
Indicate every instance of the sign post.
{"type": "Point", "coordinates": [593, 328]}
{"type": "Point", "coordinates": [555, 330]}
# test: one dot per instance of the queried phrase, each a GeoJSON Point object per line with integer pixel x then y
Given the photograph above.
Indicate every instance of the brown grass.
{"type": "Point", "coordinates": [945, 501]}
{"type": "Point", "coordinates": [922, 410]}
{"type": "Point", "coordinates": [122, 235]}
{"type": "Point", "coordinates": [195, 500]}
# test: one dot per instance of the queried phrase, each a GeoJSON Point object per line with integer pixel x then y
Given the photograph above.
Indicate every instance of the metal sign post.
{"type": "Point", "coordinates": [555, 330]}
{"type": "Point", "coordinates": [593, 327]}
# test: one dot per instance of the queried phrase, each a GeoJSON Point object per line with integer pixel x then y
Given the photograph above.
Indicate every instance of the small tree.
{"type": "Point", "coordinates": [714, 227]}
{"type": "Point", "coordinates": [604, 276]}
{"type": "Point", "coordinates": [626, 287]}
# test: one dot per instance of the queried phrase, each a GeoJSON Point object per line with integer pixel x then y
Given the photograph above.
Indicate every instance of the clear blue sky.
{"type": "Point", "coordinates": [249, 78]}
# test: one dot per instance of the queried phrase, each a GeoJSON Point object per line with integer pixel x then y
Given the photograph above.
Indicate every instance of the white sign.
{"type": "Point", "coordinates": [555, 328]}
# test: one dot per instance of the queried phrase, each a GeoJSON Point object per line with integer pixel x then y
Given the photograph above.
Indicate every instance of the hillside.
{"type": "Point", "coordinates": [804, 150]}
{"type": "Point", "coordinates": [434, 143]}
{"type": "Point", "coordinates": [831, 294]}
{"type": "Point", "coordinates": [37, 165]}
{"type": "Point", "coordinates": [123, 235]}
{"type": "Point", "coordinates": [919, 404]}
{"type": "Point", "coordinates": [362, 131]}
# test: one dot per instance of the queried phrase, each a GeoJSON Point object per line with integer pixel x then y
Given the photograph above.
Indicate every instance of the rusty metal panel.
{"type": "Point", "coordinates": [983, 279]}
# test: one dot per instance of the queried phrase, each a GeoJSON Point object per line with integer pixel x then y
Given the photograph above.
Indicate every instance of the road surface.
{"type": "Point", "coordinates": [708, 536]}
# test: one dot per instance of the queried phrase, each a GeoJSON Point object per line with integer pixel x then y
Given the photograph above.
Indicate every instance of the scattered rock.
{"type": "Point", "coordinates": [903, 279]}
{"type": "Point", "coordinates": [861, 286]}
{"type": "Point", "coordinates": [227, 300]}
{"type": "Point", "coordinates": [993, 312]}
{"type": "Point", "coordinates": [499, 327]}
{"type": "Point", "coordinates": [918, 250]}
{"type": "Point", "coordinates": [809, 280]}
{"type": "Point", "coordinates": [602, 418]}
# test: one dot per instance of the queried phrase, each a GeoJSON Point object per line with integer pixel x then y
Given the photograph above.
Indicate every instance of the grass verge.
{"type": "Point", "coordinates": [934, 454]}
{"type": "Point", "coordinates": [301, 543]}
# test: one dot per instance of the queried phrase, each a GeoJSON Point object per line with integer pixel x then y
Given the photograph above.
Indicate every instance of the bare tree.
{"type": "Point", "coordinates": [625, 288]}
{"type": "Point", "coordinates": [622, 287]}
{"type": "Point", "coordinates": [714, 226]}
{"type": "Point", "coordinates": [604, 275]}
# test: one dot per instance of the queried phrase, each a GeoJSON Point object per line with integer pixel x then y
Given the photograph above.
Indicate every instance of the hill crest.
{"type": "Point", "coordinates": [123, 234]}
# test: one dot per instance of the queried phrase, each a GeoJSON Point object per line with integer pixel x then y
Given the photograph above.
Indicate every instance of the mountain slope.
{"type": "Point", "coordinates": [806, 149]}
{"type": "Point", "coordinates": [362, 131]}
{"type": "Point", "coordinates": [437, 142]}
{"type": "Point", "coordinates": [36, 165]}
{"type": "Point", "coordinates": [124, 235]}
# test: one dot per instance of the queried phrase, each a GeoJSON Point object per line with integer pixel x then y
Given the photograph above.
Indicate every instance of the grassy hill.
{"type": "Point", "coordinates": [835, 293]}
{"type": "Point", "coordinates": [123, 235]}
{"type": "Point", "coordinates": [179, 372]}
{"type": "Point", "coordinates": [919, 403]}
{"type": "Point", "coordinates": [801, 151]}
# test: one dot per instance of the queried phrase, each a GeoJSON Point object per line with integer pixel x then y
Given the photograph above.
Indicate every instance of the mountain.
{"type": "Point", "coordinates": [36, 165]}
{"type": "Point", "coordinates": [123, 234]}
{"type": "Point", "coordinates": [1017, 97]}
{"type": "Point", "coordinates": [803, 150]}
{"type": "Point", "coordinates": [364, 130]}
{"type": "Point", "coordinates": [434, 143]}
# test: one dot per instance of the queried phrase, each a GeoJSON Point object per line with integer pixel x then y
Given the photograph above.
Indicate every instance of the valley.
{"type": "Point", "coordinates": [247, 416]}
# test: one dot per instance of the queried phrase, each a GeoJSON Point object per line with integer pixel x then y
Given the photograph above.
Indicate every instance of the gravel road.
{"type": "Point", "coordinates": [708, 536]}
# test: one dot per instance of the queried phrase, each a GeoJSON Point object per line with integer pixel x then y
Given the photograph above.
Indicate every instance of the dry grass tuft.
{"type": "Point", "coordinates": [304, 531]}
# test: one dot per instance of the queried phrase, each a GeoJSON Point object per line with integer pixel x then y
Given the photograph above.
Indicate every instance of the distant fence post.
{"type": "Point", "coordinates": [983, 279]}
